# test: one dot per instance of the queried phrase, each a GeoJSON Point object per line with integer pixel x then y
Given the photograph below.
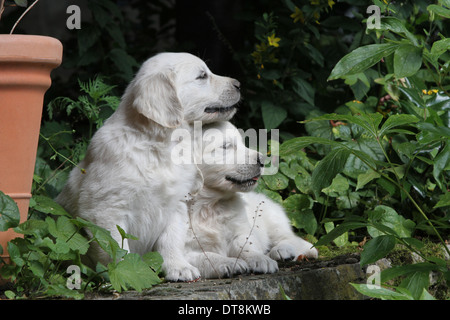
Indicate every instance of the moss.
{"type": "Point", "coordinates": [330, 252]}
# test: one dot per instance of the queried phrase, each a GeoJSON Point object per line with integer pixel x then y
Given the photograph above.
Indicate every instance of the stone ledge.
{"type": "Point", "coordinates": [314, 280]}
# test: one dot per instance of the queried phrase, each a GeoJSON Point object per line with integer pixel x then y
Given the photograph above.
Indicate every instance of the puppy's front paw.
{"type": "Point", "coordinates": [182, 273]}
{"type": "Point", "coordinates": [231, 267]}
{"type": "Point", "coordinates": [311, 253]}
{"type": "Point", "coordinates": [282, 252]}
{"type": "Point", "coordinates": [260, 263]}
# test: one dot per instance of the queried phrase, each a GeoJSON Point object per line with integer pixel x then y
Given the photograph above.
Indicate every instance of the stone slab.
{"type": "Point", "coordinates": [306, 280]}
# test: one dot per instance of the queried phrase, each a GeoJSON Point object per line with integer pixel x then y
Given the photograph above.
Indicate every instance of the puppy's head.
{"type": "Point", "coordinates": [172, 87]}
{"type": "Point", "coordinates": [227, 164]}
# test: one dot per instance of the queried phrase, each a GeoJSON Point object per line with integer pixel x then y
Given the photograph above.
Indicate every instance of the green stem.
{"type": "Point", "coordinates": [60, 154]}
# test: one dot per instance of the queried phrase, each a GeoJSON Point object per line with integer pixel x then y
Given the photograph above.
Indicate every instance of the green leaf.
{"type": "Point", "coordinates": [339, 230]}
{"type": "Point", "coordinates": [440, 11]}
{"type": "Point", "coordinates": [395, 25]}
{"type": "Point", "coordinates": [365, 178]}
{"type": "Point", "coordinates": [338, 185]}
{"type": "Point", "coordinates": [64, 230]}
{"type": "Point", "coordinates": [298, 208]}
{"type": "Point", "coordinates": [340, 241]}
{"type": "Point", "coordinates": [379, 292]}
{"type": "Point", "coordinates": [377, 248]}
{"type": "Point", "coordinates": [416, 283]}
{"type": "Point", "coordinates": [103, 238]}
{"type": "Point", "coordinates": [367, 121]}
{"type": "Point", "coordinates": [426, 295]}
{"type": "Point", "coordinates": [388, 217]}
{"type": "Point", "coordinates": [407, 60]}
{"type": "Point", "coordinates": [408, 269]}
{"type": "Point", "coordinates": [14, 254]}
{"type": "Point", "coordinates": [444, 201]}
{"type": "Point", "coordinates": [441, 163]}
{"type": "Point", "coordinates": [361, 59]}
{"type": "Point", "coordinates": [132, 272]}
{"type": "Point", "coordinates": [327, 168]}
{"type": "Point", "coordinates": [439, 47]}
{"type": "Point", "coordinates": [396, 120]}
{"type": "Point", "coordinates": [49, 206]}
{"type": "Point", "coordinates": [125, 235]}
{"type": "Point", "coordinates": [277, 181]}
{"type": "Point", "coordinates": [38, 228]}
{"type": "Point", "coordinates": [304, 90]}
{"type": "Point", "coordinates": [9, 213]}
{"type": "Point", "coordinates": [296, 144]}
{"type": "Point", "coordinates": [9, 294]}
{"type": "Point", "coordinates": [272, 114]}
{"type": "Point", "coordinates": [154, 260]}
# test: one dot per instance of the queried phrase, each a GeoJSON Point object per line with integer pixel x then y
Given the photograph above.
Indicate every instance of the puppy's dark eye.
{"type": "Point", "coordinates": [202, 75]}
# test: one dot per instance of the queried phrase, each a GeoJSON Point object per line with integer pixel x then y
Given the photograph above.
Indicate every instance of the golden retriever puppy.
{"type": "Point", "coordinates": [232, 229]}
{"type": "Point", "coordinates": [131, 178]}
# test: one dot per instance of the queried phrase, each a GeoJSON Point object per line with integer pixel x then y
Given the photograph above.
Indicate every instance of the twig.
{"type": "Point", "coordinates": [2, 7]}
{"type": "Point", "coordinates": [251, 231]}
{"type": "Point", "coordinates": [190, 203]}
{"type": "Point", "coordinates": [23, 14]}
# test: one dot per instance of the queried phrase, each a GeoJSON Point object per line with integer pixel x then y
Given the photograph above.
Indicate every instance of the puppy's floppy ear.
{"type": "Point", "coordinates": [156, 98]}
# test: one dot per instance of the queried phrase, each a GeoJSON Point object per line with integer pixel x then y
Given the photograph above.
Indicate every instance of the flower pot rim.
{"type": "Point", "coordinates": [32, 48]}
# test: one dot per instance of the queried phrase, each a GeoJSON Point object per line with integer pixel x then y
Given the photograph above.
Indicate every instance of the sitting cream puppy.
{"type": "Point", "coordinates": [233, 230]}
{"type": "Point", "coordinates": [131, 178]}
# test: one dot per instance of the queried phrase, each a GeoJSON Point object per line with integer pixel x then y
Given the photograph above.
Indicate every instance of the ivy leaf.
{"type": "Point", "coordinates": [388, 217]}
{"type": "Point", "coordinates": [277, 181]}
{"type": "Point", "coordinates": [298, 208]}
{"type": "Point", "coordinates": [48, 205]}
{"type": "Point", "coordinates": [9, 213]}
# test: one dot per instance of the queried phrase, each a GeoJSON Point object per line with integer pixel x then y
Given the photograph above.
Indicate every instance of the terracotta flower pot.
{"type": "Point", "coordinates": [25, 66]}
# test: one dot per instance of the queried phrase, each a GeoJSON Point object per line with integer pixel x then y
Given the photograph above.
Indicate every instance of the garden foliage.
{"type": "Point", "coordinates": [364, 117]}
{"type": "Point", "coordinates": [381, 161]}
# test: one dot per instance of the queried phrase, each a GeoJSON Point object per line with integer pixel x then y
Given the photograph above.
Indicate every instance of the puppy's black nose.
{"type": "Point", "coordinates": [259, 161]}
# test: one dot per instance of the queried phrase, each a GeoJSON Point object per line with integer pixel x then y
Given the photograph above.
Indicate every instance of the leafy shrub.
{"type": "Point", "coordinates": [55, 240]}
{"type": "Point", "coordinates": [380, 163]}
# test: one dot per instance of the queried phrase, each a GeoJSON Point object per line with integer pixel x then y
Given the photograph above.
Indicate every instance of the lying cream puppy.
{"type": "Point", "coordinates": [233, 230]}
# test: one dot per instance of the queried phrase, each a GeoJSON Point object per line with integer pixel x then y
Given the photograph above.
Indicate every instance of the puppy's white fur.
{"type": "Point", "coordinates": [232, 229]}
{"type": "Point", "coordinates": [131, 179]}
